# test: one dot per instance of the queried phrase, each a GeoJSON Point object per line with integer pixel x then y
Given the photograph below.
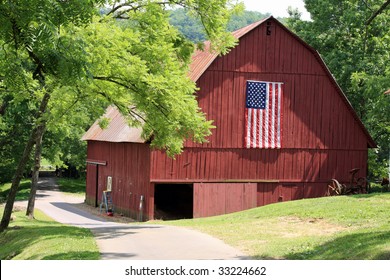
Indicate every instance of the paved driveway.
{"type": "Point", "coordinates": [131, 241]}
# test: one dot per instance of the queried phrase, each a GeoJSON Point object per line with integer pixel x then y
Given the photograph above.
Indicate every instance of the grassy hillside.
{"type": "Point", "coordinates": [344, 227]}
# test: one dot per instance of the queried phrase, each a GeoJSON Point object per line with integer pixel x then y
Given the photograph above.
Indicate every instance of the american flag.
{"type": "Point", "coordinates": [263, 115]}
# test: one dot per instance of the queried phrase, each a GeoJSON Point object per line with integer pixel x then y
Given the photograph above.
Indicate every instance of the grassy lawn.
{"type": "Point", "coordinates": [45, 239]}
{"type": "Point", "coordinates": [72, 186]}
{"type": "Point", "coordinates": [335, 228]}
{"type": "Point", "coordinates": [22, 194]}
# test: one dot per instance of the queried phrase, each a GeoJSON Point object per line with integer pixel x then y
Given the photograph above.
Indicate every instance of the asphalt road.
{"type": "Point", "coordinates": [131, 241]}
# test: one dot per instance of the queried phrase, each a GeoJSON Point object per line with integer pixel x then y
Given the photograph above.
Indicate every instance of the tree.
{"type": "Point", "coordinates": [36, 62]}
{"type": "Point", "coordinates": [59, 54]}
{"type": "Point", "coordinates": [15, 122]}
{"type": "Point", "coordinates": [35, 174]}
{"type": "Point", "coordinates": [353, 38]}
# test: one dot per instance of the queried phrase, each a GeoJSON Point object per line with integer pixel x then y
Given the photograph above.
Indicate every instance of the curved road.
{"type": "Point", "coordinates": [131, 241]}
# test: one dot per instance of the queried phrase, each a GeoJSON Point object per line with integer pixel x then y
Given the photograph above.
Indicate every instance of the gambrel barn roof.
{"type": "Point", "coordinates": [119, 131]}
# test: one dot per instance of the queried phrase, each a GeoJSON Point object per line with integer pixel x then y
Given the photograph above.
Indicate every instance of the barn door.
{"type": "Point", "coordinates": [92, 184]}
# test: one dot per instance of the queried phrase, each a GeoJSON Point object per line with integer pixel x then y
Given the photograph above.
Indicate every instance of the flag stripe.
{"type": "Point", "coordinates": [259, 124]}
{"type": "Point", "coordinates": [254, 130]}
{"type": "Point", "coordinates": [263, 115]}
{"type": "Point", "coordinates": [271, 112]}
{"type": "Point", "coordinates": [266, 112]}
{"type": "Point", "coordinates": [260, 128]}
{"type": "Point", "coordinates": [279, 131]}
{"type": "Point", "coordinates": [248, 127]}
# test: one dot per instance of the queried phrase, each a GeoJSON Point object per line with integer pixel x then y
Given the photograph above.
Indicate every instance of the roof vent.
{"type": "Point", "coordinates": [268, 28]}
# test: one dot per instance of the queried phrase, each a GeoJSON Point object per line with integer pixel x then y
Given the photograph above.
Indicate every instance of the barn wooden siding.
{"type": "Point", "coordinates": [211, 199]}
{"type": "Point", "coordinates": [129, 166]}
{"type": "Point", "coordinates": [321, 136]}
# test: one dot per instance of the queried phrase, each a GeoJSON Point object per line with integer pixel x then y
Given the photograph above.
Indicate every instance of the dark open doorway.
{"type": "Point", "coordinates": [173, 201]}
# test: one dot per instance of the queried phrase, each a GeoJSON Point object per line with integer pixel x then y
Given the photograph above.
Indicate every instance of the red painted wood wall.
{"type": "Point", "coordinates": [129, 166]}
{"type": "Point", "coordinates": [211, 199]}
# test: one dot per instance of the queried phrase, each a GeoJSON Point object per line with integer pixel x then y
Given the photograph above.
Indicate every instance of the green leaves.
{"type": "Point", "coordinates": [144, 73]}
{"type": "Point", "coordinates": [141, 66]}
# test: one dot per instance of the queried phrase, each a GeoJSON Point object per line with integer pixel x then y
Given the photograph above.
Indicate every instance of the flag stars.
{"type": "Point", "coordinates": [256, 95]}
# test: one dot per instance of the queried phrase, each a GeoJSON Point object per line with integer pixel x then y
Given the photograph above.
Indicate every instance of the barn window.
{"type": "Point", "coordinates": [173, 201]}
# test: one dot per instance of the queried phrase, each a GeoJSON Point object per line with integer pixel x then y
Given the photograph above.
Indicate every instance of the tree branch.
{"type": "Point", "coordinates": [378, 12]}
{"type": "Point", "coordinates": [159, 107]}
{"type": "Point", "coordinates": [15, 33]}
{"type": "Point", "coordinates": [112, 80]}
{"type": "Point", "coordinates": [2, 108]}
{"type": "Point", "coordinates": [38, 72]}
{"type": "Point", "coordinates": [135, 5]}
{"type": "Point", "coordinates": [133, 113]}
{"type": "Point", "coordinates": [365, 3]}
{"type": "Point", "coordinates": [66, 111]}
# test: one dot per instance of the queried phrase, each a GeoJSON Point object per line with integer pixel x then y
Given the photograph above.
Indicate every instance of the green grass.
{"type": "Point", "coordinates": [73, 186]}
{"type": "Point", "coordinates": [336, 228]}
{"type": "Point", "coordinates": [22, 194]}
{"type": "Point", "coordinates": [42, 238]}
{"type": "Point", "coordinates": [45, 239]}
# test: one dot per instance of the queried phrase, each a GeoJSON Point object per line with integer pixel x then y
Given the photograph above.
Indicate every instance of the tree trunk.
{"type": "Point", "coordinates": [35, 174]}
{"type": "Point", "coordinates": [22, 164]}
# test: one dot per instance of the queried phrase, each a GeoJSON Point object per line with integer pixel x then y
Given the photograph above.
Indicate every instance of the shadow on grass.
{"type": "Point", "coordinates": [357, 246]}
{"type": "Point", "coordinates": [17, 239]}
{"type": "Point", "coordinates": [83, 255]}
{"type": "Point", "coordinates": [369, 195]}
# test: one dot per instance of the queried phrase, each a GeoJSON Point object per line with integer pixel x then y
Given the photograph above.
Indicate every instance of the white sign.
{"type": "Point", "coordinates": [109, 183]}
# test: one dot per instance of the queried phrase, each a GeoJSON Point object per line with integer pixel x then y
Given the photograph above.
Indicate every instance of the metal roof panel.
{"type": "Point", "coordinates": [118, 129]}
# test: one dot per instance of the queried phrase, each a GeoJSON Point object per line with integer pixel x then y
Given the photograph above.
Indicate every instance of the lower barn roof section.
{"type": "Point", "coordinates": [118, 129]}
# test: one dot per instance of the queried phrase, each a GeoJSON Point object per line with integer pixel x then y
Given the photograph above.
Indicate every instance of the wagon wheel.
{"type": "Point", "coordinates": [334, 188]}
{"type": "Point", "coordinates": [362, 184]}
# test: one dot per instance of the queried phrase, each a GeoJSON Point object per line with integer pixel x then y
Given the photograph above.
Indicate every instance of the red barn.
{"type": "Point", "coordinates": [316, 135]}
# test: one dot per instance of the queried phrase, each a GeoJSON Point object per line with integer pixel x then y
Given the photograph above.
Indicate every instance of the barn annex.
{"type": "Point", "coordinates": [316, 136]}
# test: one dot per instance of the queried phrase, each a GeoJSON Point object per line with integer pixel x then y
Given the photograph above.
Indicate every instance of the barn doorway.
{"type": "Point", "coordinates": [173, 201]}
